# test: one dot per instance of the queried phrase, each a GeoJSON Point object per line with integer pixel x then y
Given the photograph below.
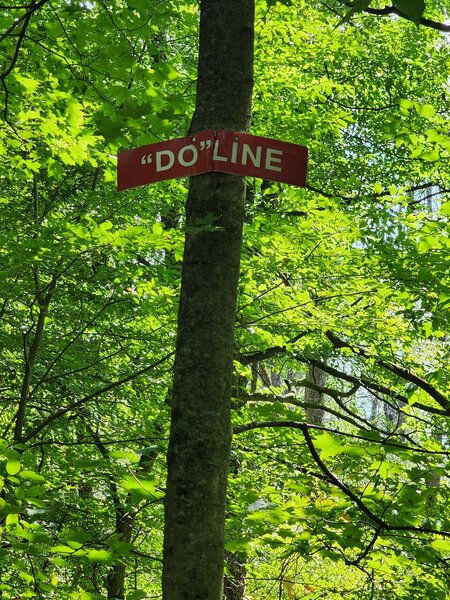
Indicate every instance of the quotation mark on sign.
{"type": "Point", "coordinates": [208, 145]}
{"type": "Point", "coordinates": [146, 160]}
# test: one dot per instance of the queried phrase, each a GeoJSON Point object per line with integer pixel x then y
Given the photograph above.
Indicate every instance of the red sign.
{"type": "Point", "coordinates": [222, 151]}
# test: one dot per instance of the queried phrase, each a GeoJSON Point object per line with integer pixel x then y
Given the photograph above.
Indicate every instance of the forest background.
{"type": "Point", "coordinates": [338, 476]}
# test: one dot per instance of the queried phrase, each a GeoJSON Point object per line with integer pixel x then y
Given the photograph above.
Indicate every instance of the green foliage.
{"type": "Point", "coordinates": [350, 274]}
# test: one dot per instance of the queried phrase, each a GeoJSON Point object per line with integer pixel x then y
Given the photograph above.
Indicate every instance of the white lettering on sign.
{"type": "Point", "coordinates": [234, 151]}
{"type": "Point", "coordinates": [188, 155]}
{"type": "Point", "coordinates": [159, 163]}
{"type": "Point", "coordinates": [247, 151]}
{"type": "Point", "coordinates": [216, 155]}
{"type": "Point", "coordinates": [181, 153]}
{"type": "Point", "coordinates": [270, 158]}
{"type": "Point", "coordinates": [165, 159]}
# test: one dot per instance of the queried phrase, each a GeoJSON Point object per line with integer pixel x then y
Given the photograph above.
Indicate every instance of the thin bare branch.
{"type": "Point", "coordinates": [114, 384]}
{"type": "Point", "coordinates": [393, 368]}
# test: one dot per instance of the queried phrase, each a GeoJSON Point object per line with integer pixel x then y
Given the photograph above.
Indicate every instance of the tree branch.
{"type": "Point", "coordinates": [378, 521]}
{"type": "Point", "coordinates": [392, 10]}
{"type": "Point", "coordinates": [30, 358]}
{"type": "Point", "coordinates": [292, 399]}
{"type": "Point", "coordinates": [248, 359]}
{"type": "Point", "coordinates": [62, 411]}
{"type": "Point", "coordinates": [108, 303]}
{"type": "Point", "coordinates": [369, 385]}
{"type": "Point", "coordinates": [338, 483]}
{"type": "Point", "coordinates": [26, 19]}
{"type": "Point", "coordinates": [33, 7]}
{"type": "Point", "coordinates": [393, 368]}
{"type": "Point", "coordinates": [299, 425]}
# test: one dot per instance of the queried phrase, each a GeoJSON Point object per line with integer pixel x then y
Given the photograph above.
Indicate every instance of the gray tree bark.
{"type": "Point", "coordinates": [235, 580]}
{"type": "Point", "coordinates": [200, 434]}
{"type": "Point", "coordinates": [316, 416]}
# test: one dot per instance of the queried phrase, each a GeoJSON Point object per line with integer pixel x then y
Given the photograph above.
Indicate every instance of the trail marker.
{"type": "Point", "coordinates": [221, 151]}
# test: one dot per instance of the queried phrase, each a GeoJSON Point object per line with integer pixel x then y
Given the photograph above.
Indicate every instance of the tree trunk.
{"type": "Point", "coordinates": [235, 581]}
{"type": "Point", "coordinates": [316, 416]}
{"type": "Point", "coordinates": [125, 518]}
{"type": "Point", "coordinates": [200, 434]}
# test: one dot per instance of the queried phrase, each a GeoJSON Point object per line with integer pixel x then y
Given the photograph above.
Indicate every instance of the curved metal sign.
{"type": "Point", "coordinates": [221, 151]}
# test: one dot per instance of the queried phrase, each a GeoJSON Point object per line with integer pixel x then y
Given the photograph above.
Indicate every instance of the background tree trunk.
{"type": "Point", "coordinates": [316, 416]}
{"type": "Point", "coordinates": [200, 427]}
{"type": "Point", "coordinates": [235, 580]}
{"type": "Point", "coordinates": [125, 517]}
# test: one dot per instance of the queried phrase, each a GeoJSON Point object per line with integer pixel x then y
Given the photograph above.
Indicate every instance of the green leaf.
{"type": "Point", "coordinates": [358, 6]}
{"type": "Point", "coordinates": [442, 546]}
{"type": "Point", "coordinates": [132, 457]}
{"type": "Point", "coordinates": [328, 445]}
{"type": "Point", "coordinates": [157, 229]}
{"type": "Point", "coordinates": [430, 155]}
{"type": "Point", "coordinates": [99, 555]}
{"type": "Point", "coordinates": [75, 535]}
{"type": "Point", "coordinates": [141, 486]}
{"type": "Point", "coordinates": [12, 519]}
{"type": "Point", "coordinates": [30, 85]}
{"type": "Point", "coordinates": [136, 595]}
{"type": "Point", "coordinates": [60, 562]}
{"type": "Point", "coordinates": [31, 476]}
{"type": "Point", "coordinates": [26, 577]}
{"type": "Point", "coordinates": [67, 550]}
{"type": "Point", "coordinates": [13, 466]}
{"type": "Point", "coordinates": [405, 103]}
{"type": "Point", "coordinates": [378, 188]}
{"type": "Point", "coordinates": [425, 110]}
{"type": "Point", "coordinates": [413, 9]}
{"type": "Point", "coordinates": [122, 548]}
{"type": "Point", "coordinates": [238, 545]}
